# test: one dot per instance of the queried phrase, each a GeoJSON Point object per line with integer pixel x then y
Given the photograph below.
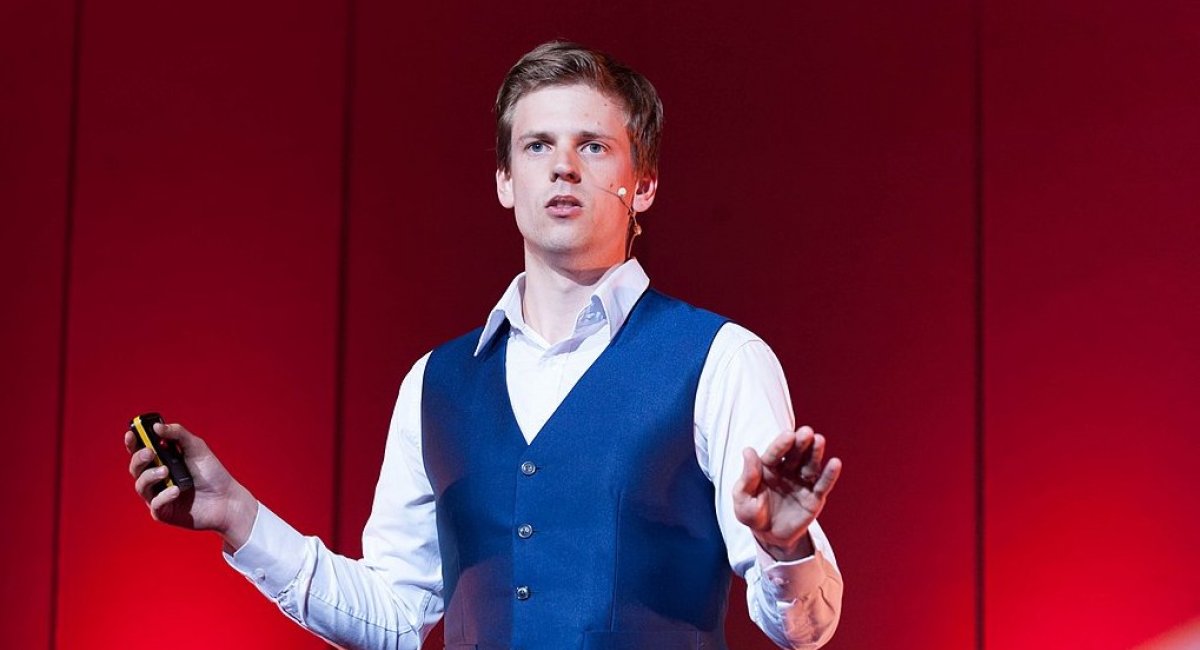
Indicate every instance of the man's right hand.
{"type": "Point", "coordinates": [216, 502]}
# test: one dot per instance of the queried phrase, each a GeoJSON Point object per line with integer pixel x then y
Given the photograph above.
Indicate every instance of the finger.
{"type": "Point", "coordinates": [833, 469]}
{"type": "Point", "coordinates": [778, 448]}
{"type": "Point", "coordinates": [812, 467]}
{"type": "Point", "coordinates": [147, 480]}
{"type": "Point", "coordinates": [163, 499]}
{"type": "Point", "coordinates": [139, 461]}
{"type": "Point", "coordinates": [130, 441]}
{"type": "Point", "coordinates": [798, 456]}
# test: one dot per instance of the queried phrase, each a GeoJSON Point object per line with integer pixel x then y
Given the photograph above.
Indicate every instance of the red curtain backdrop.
{"type": "Point", "coordinates": [1092, 358]}
{"type": "Point", "coordinates": [968, 229]}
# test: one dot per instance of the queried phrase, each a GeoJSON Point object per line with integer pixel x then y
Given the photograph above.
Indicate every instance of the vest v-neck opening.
{"type": "Point", "coordinates": [502, 367]}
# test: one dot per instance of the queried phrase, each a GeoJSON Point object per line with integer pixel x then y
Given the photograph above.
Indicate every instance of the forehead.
{"type": "Point", "coordinates": [569, 109]}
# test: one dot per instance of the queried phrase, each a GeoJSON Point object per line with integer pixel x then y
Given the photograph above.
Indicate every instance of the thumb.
{"type": "Point", "coordinates": [187, 441]}
{"type": "Point", "coordinates": [751, 478]}
{"type": "Point", "coordinates": [746, 504]}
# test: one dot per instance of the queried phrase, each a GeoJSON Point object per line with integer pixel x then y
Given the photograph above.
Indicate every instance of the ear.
{"type": "Point", "coordinates": [643, 197]}
{"type": "Point", "coordinates": [504, 188]}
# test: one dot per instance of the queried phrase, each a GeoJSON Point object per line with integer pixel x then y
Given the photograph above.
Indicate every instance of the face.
{"type": "Point", "coordinates": [571, 154]}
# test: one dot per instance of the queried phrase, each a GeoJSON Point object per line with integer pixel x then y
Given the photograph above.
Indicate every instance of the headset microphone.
{"type": "Point", "coordinates": [635, 228]}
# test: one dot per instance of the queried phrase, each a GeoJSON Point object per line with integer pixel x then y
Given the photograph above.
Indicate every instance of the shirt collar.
{"type": "Point", "coordinates": [611, 300]}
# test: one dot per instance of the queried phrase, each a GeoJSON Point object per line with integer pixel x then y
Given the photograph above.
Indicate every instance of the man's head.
{"type": "Point", "coordinates": [559, 63]}
{"type": "Point", "coordinates": [577, 148]}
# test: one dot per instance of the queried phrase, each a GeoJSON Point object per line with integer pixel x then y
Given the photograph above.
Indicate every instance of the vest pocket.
{"type": "Point", "coordinates": [643, 640]}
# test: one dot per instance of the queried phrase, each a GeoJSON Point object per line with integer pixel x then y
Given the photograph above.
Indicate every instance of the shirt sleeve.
{"type": "Point", "coordinates": [743, 401]}
{"type": "Point", "coordinates": [391, 598]}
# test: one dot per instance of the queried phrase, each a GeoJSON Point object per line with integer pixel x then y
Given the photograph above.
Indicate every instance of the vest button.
{"type": "Point", "coordinates": [524, 531]}
{"type": "Point", "coordinates": [528, 468]}
{"type": "Point", "coordinates": [523, 593]}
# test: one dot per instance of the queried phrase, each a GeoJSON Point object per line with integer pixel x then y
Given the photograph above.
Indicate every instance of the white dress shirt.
{"type": "Point", "coordinates": [392, 597]}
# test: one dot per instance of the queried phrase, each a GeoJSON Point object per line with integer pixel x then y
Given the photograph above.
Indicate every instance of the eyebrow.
{"type": "Point", "coordinates": [580, 135]}
{"type": "Point", "coordinates": [594, 135]}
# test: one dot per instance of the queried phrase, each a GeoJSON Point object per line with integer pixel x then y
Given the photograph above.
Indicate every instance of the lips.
{"type": "Point", "coordinates": [563, 200]}
{"type": "Point", "coordinates": [564, 205]}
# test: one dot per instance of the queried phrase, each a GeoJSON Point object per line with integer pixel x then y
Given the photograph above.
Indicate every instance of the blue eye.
{"type": "Point", "coordinates": [594, 147]}
{"type": "Point", "coordinates": [536, 147]}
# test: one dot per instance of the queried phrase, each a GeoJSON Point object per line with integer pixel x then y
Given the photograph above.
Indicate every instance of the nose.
{"type": "Point", "coordinates": [565, 167]}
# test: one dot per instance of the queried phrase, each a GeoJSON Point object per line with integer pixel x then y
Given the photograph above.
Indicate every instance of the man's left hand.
{"type": "Point", "coordinates": [781, 493]}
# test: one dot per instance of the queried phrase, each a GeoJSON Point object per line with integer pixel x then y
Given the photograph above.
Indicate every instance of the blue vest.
{"type": "Point", "coordinates": [601, 534]}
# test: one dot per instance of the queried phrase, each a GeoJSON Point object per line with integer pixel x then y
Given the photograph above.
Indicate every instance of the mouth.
{"type": "Point", "coordinates": [564, 205]}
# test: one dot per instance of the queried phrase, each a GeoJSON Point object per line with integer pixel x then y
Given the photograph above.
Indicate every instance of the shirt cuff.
{"type": "Point", "coordinates": [788, 581]}
{"type": "Point", "coordinates": [273, 555]}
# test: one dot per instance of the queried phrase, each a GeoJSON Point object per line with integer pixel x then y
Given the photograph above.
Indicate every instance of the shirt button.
{"type": "Point", "coordinates": [260, 574]}
{"type": "Point", "coordinates": [528, 468]}
{"type": "Point", "coordinates": [523, 593]}
{"type": "Point", "coordinates": [524, 531]}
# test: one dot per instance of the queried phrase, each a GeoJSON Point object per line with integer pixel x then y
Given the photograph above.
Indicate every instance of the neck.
{"type": "Point", "coordinates": [555, 293]}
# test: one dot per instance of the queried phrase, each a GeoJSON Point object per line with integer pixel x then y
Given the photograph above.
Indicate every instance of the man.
{"type": "Point", "coordinates": [564, 476]}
